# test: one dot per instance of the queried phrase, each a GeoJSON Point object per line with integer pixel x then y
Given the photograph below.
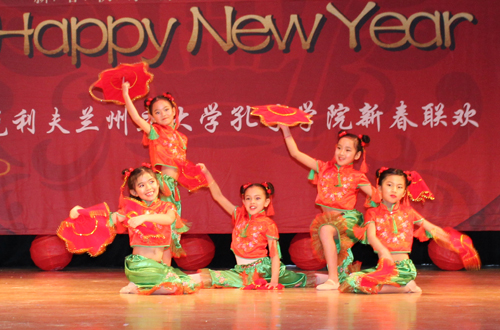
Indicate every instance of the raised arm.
{"type": "Point", "coordinates": [294, 150]}
{"type": "Point", "coordinates": [162, 219]}
{"type": "Point", "coordinates": [132, 111]}
{"type": "Point", "coordinates": [216, 192]}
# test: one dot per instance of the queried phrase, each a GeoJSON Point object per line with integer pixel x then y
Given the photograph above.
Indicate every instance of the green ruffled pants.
{"type": "Point", "coordinates": [406, 273]}
{"type": "Point", "coordinates": [150, 275]}
{"type": "Point", "coordinates": [243, 275]}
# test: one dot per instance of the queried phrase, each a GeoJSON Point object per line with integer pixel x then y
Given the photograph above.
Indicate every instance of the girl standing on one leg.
{"type": "Point", "coordinates": [167, 150]}
{"type": "Point", "coordinates": [253, 234]}
{"type": "Point", "coordinates": [338, 185]}
{"type": "Point", "coordinates": [390, 231]}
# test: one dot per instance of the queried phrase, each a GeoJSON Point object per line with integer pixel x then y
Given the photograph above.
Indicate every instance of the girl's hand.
{"type": "Point", "coordinates": [203, 168]}
{"type": "Point", "coordinates": [386, 255]}
{"type": "Point", "coordinates": [271, 285]}
{"type": "Point", "coordinates": [125, 87]}
{"type": "Point", "coordinates": [136, 221]}
{"type": "Point", "coordinates": [73, 214]}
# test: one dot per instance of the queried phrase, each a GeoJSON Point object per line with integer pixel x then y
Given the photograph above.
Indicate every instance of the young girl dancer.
{"type": "Point", "coordinates": [390, 231]}
{"type": "Point", "coordinates": [148, 220]}
{"type": "Point", "coordinates": [253, 231]}
{"type": "Point", "coordinates": [338, 185]}
{"type": "Point", "coordinates": [167, 151]}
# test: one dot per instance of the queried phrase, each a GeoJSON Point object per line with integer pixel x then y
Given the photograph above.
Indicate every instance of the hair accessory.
{"type": "Point", "coordinates": [380, 171]}
{"type": "Point", "coordinates": [126, 175]}
{"type": "Point", "coordinates": [148, 165]}
{"type": "Point", "coordinates": [246, 185]}
{"type": "Point", "coordinates": [148, 102]}
{"type": "Point", "coordinates": [268, 190]}
{"type": "Point", "coordinates": [168, 96]}
{"type": "Point", "coordinates": [360, 136]}
{"type": "Point", "coordinates": [341, 134]}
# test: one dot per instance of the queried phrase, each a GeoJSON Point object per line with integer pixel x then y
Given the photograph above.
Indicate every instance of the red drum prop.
{"type": "Point", "coordinates": [200, 251]}
{"type": "Point", "coordinates": [49, 253]}
{"type": "Point", "coordinates": [443, 258]}
{"type": "Point", "coordinates": [302, 254]}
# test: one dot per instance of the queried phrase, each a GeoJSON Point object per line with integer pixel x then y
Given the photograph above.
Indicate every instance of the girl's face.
{"type": "Point", "coordinates": [393, 188]}
{"type": "Point", "coordinates": [346, 151]}
{"type": "Point", "coordinates": [163, 113]}
{"type": "Point", "coordinates": [255, 200]}
{"type": "Point", "coordinates": [146, 188]}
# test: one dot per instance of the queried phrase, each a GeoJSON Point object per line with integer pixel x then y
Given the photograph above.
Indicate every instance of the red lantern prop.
{"type": "Point", "coordinates": [271, 115]}
{"type": "Point", "coordinates": [49, 253]}
{"type": "Point", "coordinates": [302, 254]}
{"type": "Point", "coordinates": [443, 258]}
{"type": "Point", "coordinates": [200, 251]}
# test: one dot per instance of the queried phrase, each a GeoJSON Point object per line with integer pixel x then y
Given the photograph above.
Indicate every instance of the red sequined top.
{"type": "Point", "coordinates": [250, 235]}
{"type": "Point", "coordinates": [167, 146]}
{"type": "Point", "coordinates": [394, 228]}
{"type": "Point", "coordinates": [338, 186]}
{"type": "Point", "coordinates": [148, 234]}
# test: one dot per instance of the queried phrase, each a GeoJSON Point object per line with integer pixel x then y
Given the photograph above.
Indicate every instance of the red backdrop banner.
{"type": "Point", "coordinates": [418, 77]}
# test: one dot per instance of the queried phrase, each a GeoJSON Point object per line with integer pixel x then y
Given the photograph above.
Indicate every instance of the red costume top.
{"type": "Point", "coordinates": [167, 147]}
{"type": "Point", "coordinates": [149, 233]}
{"type": "Point", "coordinates": [394, 228]}
{"type": "Point", "coordinates": [338, 186]}
{"type": "Point", "coordinates": [250, 235]}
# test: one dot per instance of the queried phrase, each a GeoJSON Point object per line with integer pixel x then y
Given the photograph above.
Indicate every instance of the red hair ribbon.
{"type": "Point", "coordinates": [168, 96]}
{"type": "Point", "coordinates": [408, 174]}
{"type": "Point", "coordinates": [380, 171]}
{"type": "Point", "coordinates": [360, 136]}
{"type": "Point", "coordinates": [268, 190]}
{"type": "Point", "coordinates": [246, 185]}
{"type": "Point", "coordinates": [148, 165]}
{"type": "Point", "coordinates": [342, 134]}
{"type": "Point", "coordinates": [148, 102]}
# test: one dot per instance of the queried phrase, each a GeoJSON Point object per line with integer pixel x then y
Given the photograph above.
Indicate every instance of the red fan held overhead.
{"type": "Point", "coordinates": [110, 82]}
{"type": "Point", "coordinates": [271, 115]}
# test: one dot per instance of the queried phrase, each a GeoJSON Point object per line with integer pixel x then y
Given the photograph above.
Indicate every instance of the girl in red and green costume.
{"type": "Point", "coordinates": [390, 228]}
{"type": "Point", "coordinates": [148, 221]}
{"type": "Point", "coordinates": [167, 151]}
{"type": "Point", "coordinates": [254, 233]}
{"type": "Point", "coordinates": [338, 184]}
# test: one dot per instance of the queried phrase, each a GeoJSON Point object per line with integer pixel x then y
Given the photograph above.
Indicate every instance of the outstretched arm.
{"type": "Point", "coordinates": [368, 190]}
{"type": "Point", "coordinates": [162, 219]}
{"type": "Point", "coordinates": [437, 232]}
{"type": "Point", "coordinates": [216, 192]}
{"type": "Point", "coordinates": [294, 150]}
{"type": "Point", "coordinates": [132, 111]}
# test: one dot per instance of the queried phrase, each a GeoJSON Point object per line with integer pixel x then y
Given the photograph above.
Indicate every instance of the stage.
{"type": "Point", "coordinates": [89, 299]}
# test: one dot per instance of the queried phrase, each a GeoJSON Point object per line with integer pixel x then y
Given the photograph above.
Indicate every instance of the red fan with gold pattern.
{"type": "Point", "coordinates": [271, 115]}
{"type": "Point", "coordinates": [110, 82]}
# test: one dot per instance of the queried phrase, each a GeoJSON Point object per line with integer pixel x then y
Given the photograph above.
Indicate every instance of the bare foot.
{"type": "Point", "coordinates": [130, 288]}
{"type": "Point", "coordinates": [321, 278]}
{"type": "Point", "coordinates": [412, 287]}
{"type": "Point", "coordinates": [163, 291]}
{"type": "Point", "coordinates": [328, 285]}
